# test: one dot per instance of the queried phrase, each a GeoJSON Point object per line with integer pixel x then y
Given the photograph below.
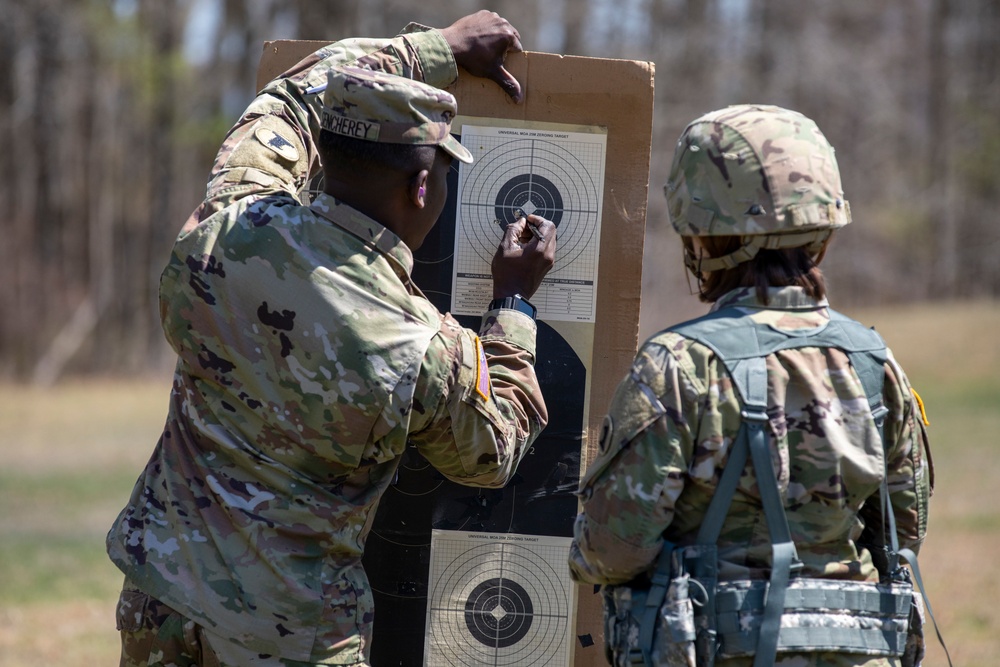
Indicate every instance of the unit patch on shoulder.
{"type": "Point", "coordinates": [482, 372]}
{"type": "Point", "coordinates": [277, 143]}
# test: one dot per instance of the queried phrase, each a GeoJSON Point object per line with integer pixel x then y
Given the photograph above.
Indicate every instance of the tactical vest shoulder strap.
{"type": "Point", "coordinates": [737, 340]}
{"type": "Point", "coordinates": [742, 345]}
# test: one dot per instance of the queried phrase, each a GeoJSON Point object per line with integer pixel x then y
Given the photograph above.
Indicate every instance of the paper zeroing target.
{"type": "Point", "coordinates": [519, 172]}
{"type": "Point", "coordinates": [537, 177]}
{"type": "Point", "coordinates": [498, 599]}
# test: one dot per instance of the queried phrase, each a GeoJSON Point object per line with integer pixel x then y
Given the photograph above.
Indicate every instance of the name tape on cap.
{"type": "Point", "coordinates": [349, 127]}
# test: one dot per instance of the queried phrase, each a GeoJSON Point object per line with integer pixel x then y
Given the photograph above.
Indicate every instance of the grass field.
{"type": "Point", "coordinates": [70, 455]}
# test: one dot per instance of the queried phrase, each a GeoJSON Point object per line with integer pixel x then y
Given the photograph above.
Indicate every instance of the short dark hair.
{"type": "Point", "coordinates": [769, 268]}
{"type": "Point", "coordinates": [357, 155]}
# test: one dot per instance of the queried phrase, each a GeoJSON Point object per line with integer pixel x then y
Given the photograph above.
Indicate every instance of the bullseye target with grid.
{"type": "Point", "coordinates": [518, 172]}
{"type": "Point", "coordinates": [498, 600]}
{"type": "Point", "coordinates": [526, 176]}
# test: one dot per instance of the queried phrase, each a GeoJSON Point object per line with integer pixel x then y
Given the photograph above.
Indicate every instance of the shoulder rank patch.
{"type": "Point", "coordinates": [277, 143]}
{"type": "Point", "coordinates": [482, 372]}
{"type": "Point", "coordinates": [920, 404]}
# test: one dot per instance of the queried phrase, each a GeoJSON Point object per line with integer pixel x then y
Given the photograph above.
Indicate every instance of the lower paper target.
{"type": "Point", "coordinates": [499, 599]}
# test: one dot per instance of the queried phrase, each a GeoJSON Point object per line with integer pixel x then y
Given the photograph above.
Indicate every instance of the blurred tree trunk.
{"type": "Point", "coordinates": [105, 203]}
{"type": "Point", "coordinates": [945, 270]}
{"type": "Point", "coordinates": [696, 59]}
{"type": "Point", "coordinates": [574, 26]}
{"type": "Point", "coordinates": [763, 20]}
{"type": "Point", "coordinates": [980, 176]}
{"type": "Point", "coordinates": [781, 29]}
{"type": "Point", "coordinates": [323, 21]}
{"type": "Point", "coordinates": [64, 175]}
{"type": "Point", "coordinates": [165, 23]}
{"type": "Point", "coordinates": [14, 226]}
{"type": "Point", "coordinates": [42, 294]}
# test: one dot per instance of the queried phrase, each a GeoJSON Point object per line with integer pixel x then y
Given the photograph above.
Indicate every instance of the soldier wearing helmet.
{"type": "Point", "coordinates": [755, 193]}
{"type": "Point", "coordinates": [747, 179]}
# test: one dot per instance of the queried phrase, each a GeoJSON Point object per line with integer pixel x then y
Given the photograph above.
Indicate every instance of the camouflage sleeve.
{"type": "Point", "coordinates": [629, 492]}
{"type": "Point", "coordinates": [482, 407]}
{"type": "Point", "coordinates": [272, 148]}
{"type": "Point", "coordinates": [910, 469]}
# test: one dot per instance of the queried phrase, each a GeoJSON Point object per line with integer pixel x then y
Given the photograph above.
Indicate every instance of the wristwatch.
{"type": "Point", "coordinates": [516, 302]}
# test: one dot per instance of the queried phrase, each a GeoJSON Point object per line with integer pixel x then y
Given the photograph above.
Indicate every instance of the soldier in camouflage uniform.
{"type": "Point", "coordinates": [755, 193]}
{"type": "Point", "coordinates": [308, 360]}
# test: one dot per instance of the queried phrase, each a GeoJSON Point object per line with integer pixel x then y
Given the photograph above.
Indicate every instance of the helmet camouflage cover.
{"type": "Point", "coordinates": [763, 173]}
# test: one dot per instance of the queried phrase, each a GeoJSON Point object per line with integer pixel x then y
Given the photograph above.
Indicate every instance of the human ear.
{"type": "Point", "coordinates": [418, 188]}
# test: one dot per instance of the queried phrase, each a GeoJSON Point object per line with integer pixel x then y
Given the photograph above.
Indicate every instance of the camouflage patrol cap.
{"type": "Point", "coordinates": [763, 173]}
{"type": "Point", "coordinates": [376, 106]}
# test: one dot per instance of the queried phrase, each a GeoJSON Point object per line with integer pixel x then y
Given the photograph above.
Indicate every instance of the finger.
{"type": "Point", "coordinates": [506, 80]}
{"type": "Point", "coordinates": [529, 235]}
{"type": "Point", "coordinates": [546, 228]}
{"type": "Point", "coordinates": [515, 41]}
{"type": "Point", "coordinates": [540, 222]}
{"type": "Point", "coordinates": [512, 235]}
{"type": "Point", "coordinates": [531, 232]}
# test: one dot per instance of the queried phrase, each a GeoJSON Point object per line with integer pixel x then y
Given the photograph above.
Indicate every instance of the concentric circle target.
{"type": "Point", "coordinates": [498, 612]}
{"type": "Point", "coordinates": [498, 604]}
{"type": "Point", "coordinates": [528, 194]}
{"type": "Point", "coordinates": [525, 176]}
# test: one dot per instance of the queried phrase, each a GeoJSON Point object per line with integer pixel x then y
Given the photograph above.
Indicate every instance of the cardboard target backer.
{"type": "Point", "coordinates": [465, 576]}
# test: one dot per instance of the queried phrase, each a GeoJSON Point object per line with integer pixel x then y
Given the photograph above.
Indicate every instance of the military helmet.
{"type": "Point", "coordinates": [763, 173]}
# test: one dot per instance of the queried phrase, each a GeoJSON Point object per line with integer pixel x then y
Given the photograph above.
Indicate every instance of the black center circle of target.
{"type": "Point", "coordinates": [515, 194]}
{"type": "Point", "coordinates": [481, 613]}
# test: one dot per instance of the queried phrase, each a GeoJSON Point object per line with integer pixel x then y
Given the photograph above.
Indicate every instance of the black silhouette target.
{"type": "Point", "coordinates": [499, 604]}
{"type": "Point", "coordinates": [525, 176]}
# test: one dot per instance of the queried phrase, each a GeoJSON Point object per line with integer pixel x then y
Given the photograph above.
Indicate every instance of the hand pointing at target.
{"type": "Point", "coordinates": [480, 43]}
{"type": "Point", "coordinates": [526, 253]}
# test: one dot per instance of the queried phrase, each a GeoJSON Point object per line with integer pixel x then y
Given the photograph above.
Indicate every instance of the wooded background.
{"type": "Point", "coordinates": [111, 113]}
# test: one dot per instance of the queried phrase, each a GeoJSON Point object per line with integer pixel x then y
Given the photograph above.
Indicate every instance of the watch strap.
{"type": "Point", "coordinates": [516, 302]}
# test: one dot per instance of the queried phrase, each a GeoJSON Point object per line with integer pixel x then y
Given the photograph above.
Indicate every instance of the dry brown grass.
{"type": "Point", "coordinates": [70, 454]}
{"type": "Point", "coordinates": [72, 633]}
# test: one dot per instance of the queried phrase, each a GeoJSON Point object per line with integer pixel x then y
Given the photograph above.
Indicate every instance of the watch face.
{"type": "Point", "coordinates": [528, 307]}
{"type": "Point", "coordinates": [518, 302]}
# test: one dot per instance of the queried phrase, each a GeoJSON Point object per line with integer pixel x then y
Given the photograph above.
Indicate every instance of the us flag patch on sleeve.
{"type": "Point", "coordinates": [482, 372]}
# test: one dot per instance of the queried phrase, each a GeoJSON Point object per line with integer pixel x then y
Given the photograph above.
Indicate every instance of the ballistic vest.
{"type": "Point", "coordinates": [785, 613]}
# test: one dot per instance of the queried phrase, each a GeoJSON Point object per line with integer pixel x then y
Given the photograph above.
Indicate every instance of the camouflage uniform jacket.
{"type": "Point", "coordinates": [654, 476]}
{"type": "Point", "coordinates": [307, 361]}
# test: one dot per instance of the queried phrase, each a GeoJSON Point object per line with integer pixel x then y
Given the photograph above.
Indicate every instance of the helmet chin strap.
{"type": "Point", "coordinates": [689, 261]}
